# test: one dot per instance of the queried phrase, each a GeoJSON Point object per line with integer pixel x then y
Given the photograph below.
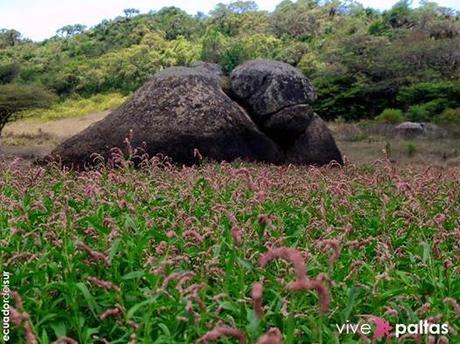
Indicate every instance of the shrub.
{"type": "Point", "coordinates": [8, 72]}
{"type": "Point", "coordinates": [234, 56]}
{"type": "Point", "coordinates": [390, 116]}
{"type": "Point", "coordinates": [248, 48]}
{"type": "Point", "coordinates": [429, 91]}
{"type": "Point", "coordinates": [449, 116]}
{"type": "Point", "coordinates": [427, 111]}
{"type": "Point", "coordinates": [411, 149]}
{"type": "Point", "coordinates": [339, 96]}
{"type": "Point", "coordinates": [214, 44]}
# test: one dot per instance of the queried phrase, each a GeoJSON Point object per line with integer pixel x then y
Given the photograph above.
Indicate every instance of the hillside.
{"type": "Point", "coordinates": [360, 60]}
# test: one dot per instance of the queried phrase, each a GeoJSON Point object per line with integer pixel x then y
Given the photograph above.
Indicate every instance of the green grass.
{"type": "Point", "coordinates": [77, 107]}
{"type": "Point", "coordinates": [153, 222]}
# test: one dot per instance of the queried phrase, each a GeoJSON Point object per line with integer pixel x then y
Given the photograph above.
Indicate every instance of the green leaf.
{"type": "Point", "coordinates": [353, 295]}
{"type": "Point", "coordinates": [426, 252]}
{"type": "Point", "coordinates": [228, 306]}
{"type": "Point", "coordinates": [165, 329]}
{"type": "Point", "coordinates": [89, 298]}
{"type": "Point", "coordinates": [59, 329]}
{"type": "Point", "coordinates": [114, 248]}
{"type": "Point", "coordinates": [133, 275]}
{"type": "Point", "coordinates": [253, 322]}
{"type": "Point", "coordinates": [136, 307]}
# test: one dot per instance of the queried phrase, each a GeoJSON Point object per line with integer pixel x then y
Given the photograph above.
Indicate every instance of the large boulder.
{"type": "Point", "coordinates": [179, 110]}
{"type": "Point", "coordinates": [262, 113]}
{"type": "Point", "coordinates": [278, 96]}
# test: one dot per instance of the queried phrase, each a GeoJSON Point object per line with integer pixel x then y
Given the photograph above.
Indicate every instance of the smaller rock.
{"type": "Point", "coordinates": [409, 129]}
{"type": "Point", "coordinates": [315, 146]}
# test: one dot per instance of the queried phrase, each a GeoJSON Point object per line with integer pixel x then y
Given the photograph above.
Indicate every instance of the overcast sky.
{"type": "Point", "coordinates": [39, 19]}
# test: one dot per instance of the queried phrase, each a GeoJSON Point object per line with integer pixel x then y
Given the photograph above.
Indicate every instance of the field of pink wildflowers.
{"type": "Point", "coordinates": [229, 253]}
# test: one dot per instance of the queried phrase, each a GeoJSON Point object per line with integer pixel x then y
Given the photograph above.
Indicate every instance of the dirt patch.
{"type": "Point", "coordinates": [421, 151]}
{"type": "Point", "coordinates": [31, 139]}
{"type": "Point", "coordinates": [62, 128]}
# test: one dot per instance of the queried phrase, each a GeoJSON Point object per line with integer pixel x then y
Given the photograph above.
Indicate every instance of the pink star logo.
{"type": "Point", "coordinates": [382, 327]}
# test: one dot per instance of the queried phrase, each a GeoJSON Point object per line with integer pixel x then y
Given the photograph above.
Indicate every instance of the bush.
{"type": "Point", "coordinates": [429, 91]}
{"type": "Point", "coordinates": [8, 72]}
{"type": "Point", "coordinates": [234, 56]}
{"type": "Point", "coordinates": [449, 116]}
{"type": "Point", "coordinates": [214, 44]}
{"type": "Point", "coordinates": [411, 149]}
{"type": "Point", "coordinates": [241, 50]}
{"type": "Point", "coordinates": [427, 112]}
{"type": "Point", "coordinates": [339, 96]}
{"type": "Point", "coordinates": [390, 116]}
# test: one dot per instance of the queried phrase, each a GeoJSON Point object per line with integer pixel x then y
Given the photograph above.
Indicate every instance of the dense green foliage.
{"type": "Point", "coordinates": [163, 255]}
{"type": "Point", "coordinates": [360, 60]}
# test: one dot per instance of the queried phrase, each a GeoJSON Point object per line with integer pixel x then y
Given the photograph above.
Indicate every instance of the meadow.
{"type": "Point", "coordinates": [229, 252]}
{"type": "Point", "coordinates": [235, 252]}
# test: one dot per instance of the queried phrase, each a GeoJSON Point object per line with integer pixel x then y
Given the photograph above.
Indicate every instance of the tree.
{"type": "Point", "coordinates": [131, 12]}
{"type": "Point", "coordinates": [71, 30]}
{"type": "Point", "coordinates": [9, 38]}
{"type": "Point", "coordinates": [296, 19]}
{"type": "Point", "coordinates": [239, 17]}
{"type": "Point", "coordinates": [214, 44]}
{"type": "Point", "coordinates": [400, 15]}
{"type": "Point", "coordinates": [236, 7]}
{"type": "Point", "coordinates": [17, 98]}
{"type": "Point", "coordinates": [241, 7]}
{"type": "Point", "coordinates": [176, 22]}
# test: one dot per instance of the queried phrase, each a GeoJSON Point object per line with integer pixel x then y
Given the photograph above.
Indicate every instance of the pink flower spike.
{"type": "Point", "coordinates": [222, 331]}
{"type": "Point", "coordinates": [322, 291]}
{"type": "Point", "coordinates": [256, 294]}
{"type": "Point", "coordinates": [273, 336]}
{"type": "Point", "coordinates": [289, 254]}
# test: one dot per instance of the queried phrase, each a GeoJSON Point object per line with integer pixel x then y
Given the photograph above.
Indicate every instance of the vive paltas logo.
{"type": "Point", "coordinates": [380, 328]}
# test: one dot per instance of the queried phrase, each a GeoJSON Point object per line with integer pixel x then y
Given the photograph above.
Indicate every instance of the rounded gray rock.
{"type": "Point", "coordinates": [266, 87]}
{"type": "Point", "coordinates": [409, 129]}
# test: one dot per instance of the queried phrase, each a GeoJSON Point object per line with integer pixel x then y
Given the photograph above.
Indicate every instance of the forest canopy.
{"type": "Point", "coordinates": [361, 61]}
